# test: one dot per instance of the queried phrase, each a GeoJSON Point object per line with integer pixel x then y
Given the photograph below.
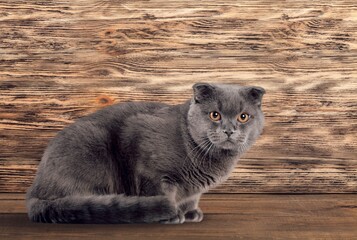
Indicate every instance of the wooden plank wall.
{"type": "Point", "coordinates": [62, 59]}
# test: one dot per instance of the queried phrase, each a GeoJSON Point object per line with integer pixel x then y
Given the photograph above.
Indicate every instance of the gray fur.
{"type": "Point", "coordinates": [144, 161]}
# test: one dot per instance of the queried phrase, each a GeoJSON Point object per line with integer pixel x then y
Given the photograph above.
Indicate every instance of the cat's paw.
{"type": "Point", "coordinates": [178, 219]}
{"type": "Point", "coordinates": [194, 215]}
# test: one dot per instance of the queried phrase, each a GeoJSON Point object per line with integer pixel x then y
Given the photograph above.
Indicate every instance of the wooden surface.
{"type": "Point", "coordinates": [60, 60]}
{"type": "Point", "coordinates": [227, 216]}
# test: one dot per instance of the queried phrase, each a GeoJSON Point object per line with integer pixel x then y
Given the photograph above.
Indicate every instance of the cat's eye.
{"type": "Point", "coordinates": [243, 117]}
{"type": "Point", "coordinates": [215, 116]}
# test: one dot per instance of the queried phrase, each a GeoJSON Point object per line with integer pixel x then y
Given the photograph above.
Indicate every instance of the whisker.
{"type": "Point", "coordinates": [193, 149]}
{"type": "Point", "coordinates": [199, 146]}
{"type": "Point", "coordinates": [210, 156]}
{"type": "Point", "coordinates": [199, 158]}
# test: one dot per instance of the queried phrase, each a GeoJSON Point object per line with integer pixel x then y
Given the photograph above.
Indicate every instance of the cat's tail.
{"type": "Point", "coordinates": [101, 209]}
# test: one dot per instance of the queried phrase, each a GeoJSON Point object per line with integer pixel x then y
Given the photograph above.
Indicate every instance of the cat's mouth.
{"type": "Point", "coordinates": [227, 144]}
{"type": "Point", "coordinates": [230, 140]}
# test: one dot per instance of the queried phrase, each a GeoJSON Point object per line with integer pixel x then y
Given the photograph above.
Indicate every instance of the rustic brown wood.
{"type": "Point", "coordinates": [228, 216]}
{"type": "Point", "coordinates": [60, 60]}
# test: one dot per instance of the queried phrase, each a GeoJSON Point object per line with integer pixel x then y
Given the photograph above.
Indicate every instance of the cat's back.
{"type": "Point", "coordinates": [115, 114]}
{"type": "Point", "coordinates": [96, 129]}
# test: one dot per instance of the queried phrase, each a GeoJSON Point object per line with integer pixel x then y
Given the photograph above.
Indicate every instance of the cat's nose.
{"type": "Point", "coordinates": [228, 132]}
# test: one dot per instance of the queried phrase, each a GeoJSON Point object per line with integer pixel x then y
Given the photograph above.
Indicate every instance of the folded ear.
{"type": "Point", "coordinates": [203, 91]}
{"type": "Point", "coordinates": [255, 94]}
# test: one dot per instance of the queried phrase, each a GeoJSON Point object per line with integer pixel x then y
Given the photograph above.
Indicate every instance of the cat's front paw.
{"type": "Point", "coordinates": [194, 215]}
{"type": "Point", "coordinates": [178, 219]}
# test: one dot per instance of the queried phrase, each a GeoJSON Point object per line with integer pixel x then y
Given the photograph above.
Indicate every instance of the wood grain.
{"type": "Point", "coordinates": [228, 216]}
{"type": "Point", "coordinates": [60, 60]}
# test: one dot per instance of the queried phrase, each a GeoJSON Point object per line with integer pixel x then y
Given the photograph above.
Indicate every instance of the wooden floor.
{"type": "Point", "coordinates": [228, 216]}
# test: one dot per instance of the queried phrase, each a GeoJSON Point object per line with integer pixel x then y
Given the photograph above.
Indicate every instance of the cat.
{"type": "Point", "coordinates": [146, 162]}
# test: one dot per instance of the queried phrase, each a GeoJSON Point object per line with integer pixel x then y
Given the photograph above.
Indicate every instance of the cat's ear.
{"type": "Point", "coordinates": [255, 94]}
{"type": "Point", "coordinates": [202, 92]}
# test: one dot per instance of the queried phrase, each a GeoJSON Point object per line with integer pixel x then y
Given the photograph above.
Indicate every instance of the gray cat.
{"type": "Point", "coordinates": [145, 162]}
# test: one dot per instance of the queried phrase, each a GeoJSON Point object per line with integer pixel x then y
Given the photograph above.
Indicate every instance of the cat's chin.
{"type": "Point", "coordinates": [227, 145]}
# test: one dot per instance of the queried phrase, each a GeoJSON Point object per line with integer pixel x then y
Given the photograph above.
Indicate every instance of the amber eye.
{"type": "Point", "coordinates": [215, 116]}
{"type": "Point", "coordinates": [243, 117]}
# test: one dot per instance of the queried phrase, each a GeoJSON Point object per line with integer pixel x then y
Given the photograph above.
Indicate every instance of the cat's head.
{"type": "Point", "coordinates": [226, 116]}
